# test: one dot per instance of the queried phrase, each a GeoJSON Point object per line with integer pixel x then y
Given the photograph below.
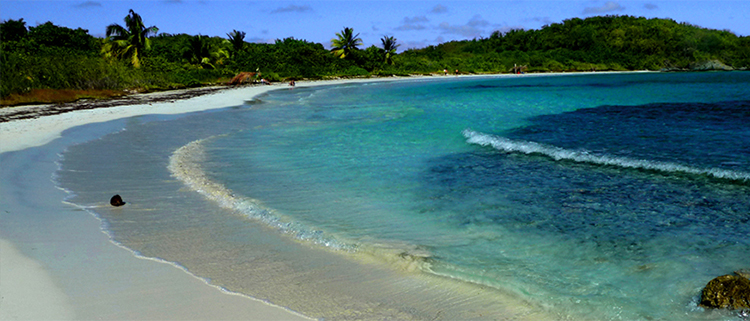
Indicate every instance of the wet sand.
{"type": "Point", "coordinates": [56, 261]}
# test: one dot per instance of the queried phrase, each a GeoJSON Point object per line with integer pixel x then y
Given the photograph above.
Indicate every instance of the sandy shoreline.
{"type": "Point", "coordinates": [57, 254]}
{"type": "Point", "coordinates": [71, 270]}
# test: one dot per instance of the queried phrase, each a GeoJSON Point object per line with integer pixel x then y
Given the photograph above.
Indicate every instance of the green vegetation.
{"type": "Point", "coordinates": [597, 43]}
{"type": "Point", "coordinates": [48, 58]}
{"type": "Point", "coordinates": [389, 49]}
{"type": "Point", "coordinates": [345, 42]}
{"type": "Point", "coordinates": [203, 52]}
{"type": "Point", "coordinates": [237, 39]}
{"type": "Point", "coordinates": [128, 42]}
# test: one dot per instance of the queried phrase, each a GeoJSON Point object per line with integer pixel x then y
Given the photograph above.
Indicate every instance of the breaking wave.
{"type": "Point", "coordinates": [582, 156]}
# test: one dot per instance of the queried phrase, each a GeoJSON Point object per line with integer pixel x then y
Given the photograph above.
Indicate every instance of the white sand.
{"type": "Point", "coordinates": [55, 263]}
{"type": "Point", "coordinates": [27, 291]}
{"type": "Point", "coordinates": [25, 133]}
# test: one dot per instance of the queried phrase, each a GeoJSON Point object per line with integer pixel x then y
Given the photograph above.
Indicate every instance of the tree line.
{"type": "Point", "coordinates": [134, 56]}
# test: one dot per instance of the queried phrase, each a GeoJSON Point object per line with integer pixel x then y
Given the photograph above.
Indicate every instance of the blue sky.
{"type": "Point", "coordinates": [414, 24]}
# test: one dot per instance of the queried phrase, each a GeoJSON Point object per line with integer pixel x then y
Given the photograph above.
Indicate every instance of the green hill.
{"type": "Point", "coordinates": [597, 43]}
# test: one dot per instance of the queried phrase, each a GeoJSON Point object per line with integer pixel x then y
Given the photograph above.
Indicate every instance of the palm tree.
{"type": "Point", "coordinates": [200, 51]}
{"type": "Point", "coordinates": [389, 48]}
{"type": "Point", "coordinates": [237, 39]}
{"type": "Point", "coordinates": [130, 41]}
{"type": "Point", "coordinates": [345, 43]}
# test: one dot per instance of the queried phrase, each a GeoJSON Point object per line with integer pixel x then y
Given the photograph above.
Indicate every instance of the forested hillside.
{"type": "Point", "coordinates": [48, 58]}
{"type": "Point", "coordinates": [597, 43]}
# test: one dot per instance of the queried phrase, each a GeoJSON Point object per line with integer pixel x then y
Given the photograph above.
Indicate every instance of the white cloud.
{"type": "Point", "coordinates": [89, 4]}
{"type": "Point", "coordinates": [478, 21]}
{"type": "Point", "coordinates": [292, 8]}
{"type": "Point", "coordinates": [609, 6]}
{"type": "Point", "coordinates": [472, 29]}
{"type": "Point", "coordinates": [416, 19]}
{"type": "Point", "coordinates": [439, 9]}
{"type": "Point", "coordinates": [410, 27]}
{"type": "Point", "coordinates": [414, 23]}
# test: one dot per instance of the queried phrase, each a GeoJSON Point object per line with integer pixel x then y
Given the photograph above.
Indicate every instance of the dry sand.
{"type": "Point", "coordinates": [55, 261]}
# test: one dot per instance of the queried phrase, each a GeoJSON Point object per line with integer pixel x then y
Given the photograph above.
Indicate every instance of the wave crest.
{"type": "Point", "coordinates": [525, 147]}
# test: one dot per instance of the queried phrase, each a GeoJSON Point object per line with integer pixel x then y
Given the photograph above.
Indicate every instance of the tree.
{"type": "Point", "coordinates": [13, 30]}
{"type": "Point", "coordinates": [129, 42]}
{"type": "Point", "coordinates": [50, 35]}
{"type": "Point", "coordinates": [345, 43]}
{"type": "Point", "coordinates": [237, 39]}
{"type": "Point", "coordinates": [389, 49]}
{"type": "Point", "coordinates": [201, 51]}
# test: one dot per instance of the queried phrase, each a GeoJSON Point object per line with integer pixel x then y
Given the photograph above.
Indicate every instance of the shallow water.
{"type": "Point", "coordinates": [598, 196]}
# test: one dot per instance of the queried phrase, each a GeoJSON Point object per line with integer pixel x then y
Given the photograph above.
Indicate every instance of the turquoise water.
{"type": "Point", "coordinates": [596, 196]}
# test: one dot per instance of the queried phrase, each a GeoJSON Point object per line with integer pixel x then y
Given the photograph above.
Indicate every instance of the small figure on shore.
{"type": "Point", "coordinates": [116, 201]}
{"type": "Point", "coordinates": [445, 71]}
{"type": "Point", "coordinates": [264, 81]}
{"type": "Point", "coordinates": [292, 83]}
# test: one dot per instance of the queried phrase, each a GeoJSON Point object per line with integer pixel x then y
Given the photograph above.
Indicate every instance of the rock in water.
{"type": "Point", "coordinates": [727, 291]}
{"type": "Point", "coordinates": [116, 201]}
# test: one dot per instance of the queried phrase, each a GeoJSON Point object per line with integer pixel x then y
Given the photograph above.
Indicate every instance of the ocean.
{"type": "Point", "coordinates": [598, 196]}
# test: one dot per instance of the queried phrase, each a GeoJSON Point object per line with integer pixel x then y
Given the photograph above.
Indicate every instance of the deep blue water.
{"type": "Point", "coordinates": [597, 196]}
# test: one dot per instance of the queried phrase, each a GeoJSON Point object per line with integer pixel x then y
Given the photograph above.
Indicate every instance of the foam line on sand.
{"type": "Point", "coordinates": [55, 262]}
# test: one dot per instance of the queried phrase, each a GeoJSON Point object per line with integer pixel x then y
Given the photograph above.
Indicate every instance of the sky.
{"type": "Point", "coordinates": [415, 24]}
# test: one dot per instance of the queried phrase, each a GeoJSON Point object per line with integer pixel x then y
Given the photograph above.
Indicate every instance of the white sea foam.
{"type": "Point", "coordinates": [185, 165]}
{"type": "Point", "coordinates": [582, 156]}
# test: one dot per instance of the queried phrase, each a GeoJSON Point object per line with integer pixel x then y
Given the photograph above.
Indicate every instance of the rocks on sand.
{"type": "Point", "coordinates": [116, 201]}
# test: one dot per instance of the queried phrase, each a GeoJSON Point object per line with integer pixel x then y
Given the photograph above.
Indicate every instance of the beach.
{"type": "Point", "coordinates": [59, 262]}
{"type": "Point", "coordinates": [377, 201]}
{"type": "Point", "coordinates": [56, 261]}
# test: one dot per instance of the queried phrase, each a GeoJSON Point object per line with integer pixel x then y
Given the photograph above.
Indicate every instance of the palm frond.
{"type": "Point", "coordinates": [116, 30]}
{"type": "Point", "coordinates": [128, 42]}
{"type": "Point", "coordinates": [345, 42]}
